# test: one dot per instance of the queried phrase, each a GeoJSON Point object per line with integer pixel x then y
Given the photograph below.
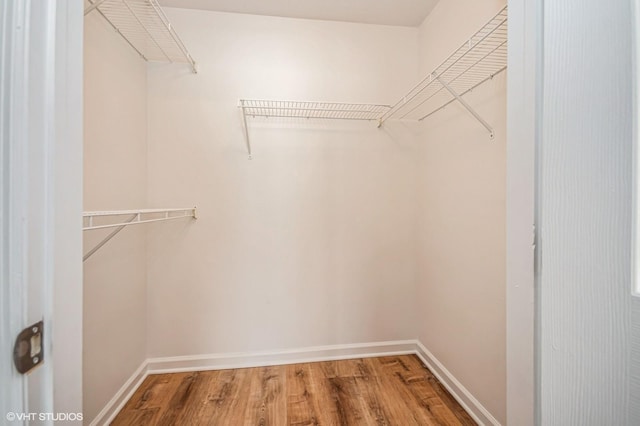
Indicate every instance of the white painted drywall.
{"type": "Point", "coordinates": [313, 241]}
{"type": "Point", "coordinates": [115, 177]}
{"type": "Point", "coordinates": [462, 177]}
{"type": "Point", "coordinates": [588, 317]}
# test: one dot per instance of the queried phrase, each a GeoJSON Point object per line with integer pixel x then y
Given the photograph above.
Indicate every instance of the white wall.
{"type": "Point", "coordinates": [462, 173]}
{"type": "Point", "coordinates": [588, 318]}
{"type": "Point", "coordinates": [115, 177]}
{"type": "Point", "coordinates": [313, 241]}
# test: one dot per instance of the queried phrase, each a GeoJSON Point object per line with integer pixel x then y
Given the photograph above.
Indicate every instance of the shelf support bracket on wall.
{"type": "Point", "coordinates": [106, 239]}
{"type": "Point", "coordinates": [467, 106]}
{"type": "Point", "coordinates": [136, 217]}
{"type": "Point", "coordinates": [245, 128]}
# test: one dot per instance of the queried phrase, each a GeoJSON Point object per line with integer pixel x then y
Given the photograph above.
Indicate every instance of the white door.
{"type": "Point", "coordinates": [588, 319]}
{"type": "Point", "coordinates": [36, 250]}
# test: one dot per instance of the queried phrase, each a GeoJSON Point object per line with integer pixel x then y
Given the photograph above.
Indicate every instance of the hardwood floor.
{"type": "Point", "coordinates": [396, 390]}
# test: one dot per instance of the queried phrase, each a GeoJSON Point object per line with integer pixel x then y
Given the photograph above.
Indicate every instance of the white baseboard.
{"type": "Point", "coordinates": [294, 356]}
{"type": "Point", "coordinates": [113, 407]}
{"type": "Point", "coordinates": [472, 406]}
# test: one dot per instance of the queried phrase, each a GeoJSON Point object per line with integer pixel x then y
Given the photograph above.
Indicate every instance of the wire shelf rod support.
{"type": "Point", "coordinates": [468, 107]}
{"type": "Point", "coordinates": [461, 94]}
{"type": "Point", "coordinates": [106, 239]}
{"type": "Point", "coordinates": [245, 127]}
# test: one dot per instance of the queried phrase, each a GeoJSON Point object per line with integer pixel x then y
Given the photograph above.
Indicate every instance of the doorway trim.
{"type": "Point", "coordinates": [522, 248]}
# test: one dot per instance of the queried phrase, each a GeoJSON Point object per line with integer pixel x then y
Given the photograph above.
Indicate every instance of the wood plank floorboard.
{"type": "Point", "coordinates": [395, 390]}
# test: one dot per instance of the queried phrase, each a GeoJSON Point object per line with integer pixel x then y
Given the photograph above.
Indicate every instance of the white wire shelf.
{"type": "Point", "coordinates": [120, 219]}
{"type": "Point", "coordinates": [139, 217]}
{"type": "Point", "coordinates": [310, 110]}
{"type": "Point", "coordinates": [323, 110]}
{"type": "Point", "coordinates": [479, 59]}
{"type": "Point", "coordinates": [143, 24]}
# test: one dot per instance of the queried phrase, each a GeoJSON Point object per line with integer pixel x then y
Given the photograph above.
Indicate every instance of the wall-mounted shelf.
{"type": "Point", "coordinates": [324, 110]}
{"type": "Point", "coordinates": [479, 59]}
{"type": "Point", "coordinates": [300, 109]}
{"type": "Point", "coordinates": [122, 218]}
{"type": "Point", "coordinates": [143, 25]}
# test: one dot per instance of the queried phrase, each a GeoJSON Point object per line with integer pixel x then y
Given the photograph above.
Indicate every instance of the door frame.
{"type": "Point", "coordinates": [67, 204]}
{"type": "Point", "coordinates": [41, 201]}
{"type": "Point", "coordinates": [13, 200]}
{"type": "Point", "coordinates": [525, 35]}
{"type": "Point", "coordinates": [524, 94]}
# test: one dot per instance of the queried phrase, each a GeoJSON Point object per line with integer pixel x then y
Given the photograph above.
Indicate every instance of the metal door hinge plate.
{"type": "Point", "coordinates": [28, 351]}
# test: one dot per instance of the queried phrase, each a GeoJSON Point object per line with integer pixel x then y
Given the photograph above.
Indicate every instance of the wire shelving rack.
{"type": "Point", "coordinates": [324, 110]}
{"type": "Point", "coordinates": [146, 28]}
{"type": "Point", "coordinates": [310, 110]}
{"type": "Point", "coordinates": [478, 60]}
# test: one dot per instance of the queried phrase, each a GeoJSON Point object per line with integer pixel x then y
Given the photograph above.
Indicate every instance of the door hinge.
{"type": "Point", "coordinates": [28, 351]}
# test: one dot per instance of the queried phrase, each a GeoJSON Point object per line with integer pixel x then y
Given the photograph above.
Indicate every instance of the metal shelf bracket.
{"type": "Point", "coordinates": [134, 217]}
{"type": "Point", "coordinates": [467, 106]}
{"type": "Point", "coordinates": [245, 127]}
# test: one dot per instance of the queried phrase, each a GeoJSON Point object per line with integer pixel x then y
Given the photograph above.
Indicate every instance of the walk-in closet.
{"type": "Point", "coordinates": [362, 212]}
{"type": "Point", "coordinates": [264, 191]}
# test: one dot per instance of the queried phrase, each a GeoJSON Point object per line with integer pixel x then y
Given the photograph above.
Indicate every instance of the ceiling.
{"type": "Point", "coordinates": [409, 13]}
